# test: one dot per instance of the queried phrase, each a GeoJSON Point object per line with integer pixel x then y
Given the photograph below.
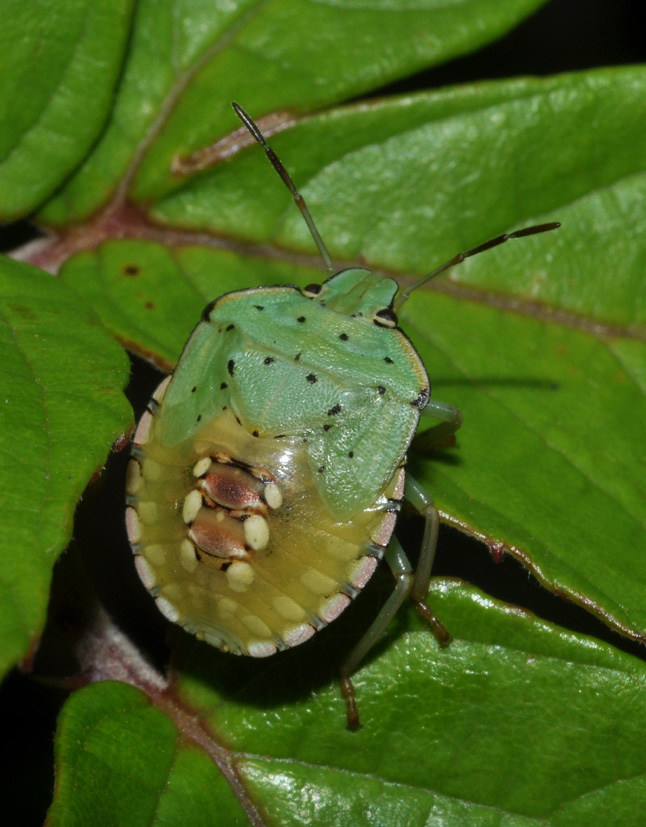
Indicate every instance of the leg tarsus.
{"type": "Point", "coordinates": [347, 690]}
{"type": "Point", "coordinates": [437, 627]}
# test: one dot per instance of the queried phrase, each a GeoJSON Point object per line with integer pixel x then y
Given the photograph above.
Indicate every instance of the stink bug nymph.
{"type": "Point", "coordinates": [268, 471]}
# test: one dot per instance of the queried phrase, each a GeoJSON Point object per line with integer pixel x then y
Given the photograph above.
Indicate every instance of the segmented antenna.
{"type": "Point", "coordinates": [460, 257]}
{"type": "Point", "coordinates": [302, 206]}
{"type": "Point", "coordinates": [277, 164]}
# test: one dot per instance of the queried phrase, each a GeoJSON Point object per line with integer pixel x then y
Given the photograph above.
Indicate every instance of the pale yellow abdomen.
{"type": "Point", "coordinates": [232, 539]}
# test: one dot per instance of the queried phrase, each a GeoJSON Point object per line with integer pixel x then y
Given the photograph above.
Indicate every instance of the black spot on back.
{"type": "Point", "coordinates": [231, 366]}
{"type": "Point", "coordinates": [388, 360]}
{"type": "Point", "coordinates": [259, 306]}
{"type": "Point", "coordinates": [344, 337]}
{"type": "Point", "coordinates": [311, 377]}
{"type": "Point", "coordinates": [301, 319]}
{"type": "Point", "coordinates": [230, 327]}
{"type": "Point", "coordinates": [269, 360]}
{"type": "Point", "coordinates": [334, 411]}
{"type": "Point", "coordinates": [223, 386]}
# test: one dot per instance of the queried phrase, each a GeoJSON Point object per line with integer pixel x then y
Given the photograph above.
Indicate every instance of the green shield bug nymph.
{"type": "Point", "coordinates": [268, 471]}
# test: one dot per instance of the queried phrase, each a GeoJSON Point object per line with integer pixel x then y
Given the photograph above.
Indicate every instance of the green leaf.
{"type": "Point", "coordinates": [60, 65]}
{"type": "Point", "coordinates": [406, 183]}
{"type": "Point", "coordinates": [61, 407]}
{"type": "Point", "coordinates": [508, 724]}
{"type": "Point", "coordinates": [548, 467]}
{"type": "Point", "coordinates": [283, 55]}
{"type": "Point", "coordinates": [120, 761]}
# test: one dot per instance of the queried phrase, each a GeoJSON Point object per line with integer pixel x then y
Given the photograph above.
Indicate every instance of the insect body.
{"type": "Point", "coordinates": [267, 474]}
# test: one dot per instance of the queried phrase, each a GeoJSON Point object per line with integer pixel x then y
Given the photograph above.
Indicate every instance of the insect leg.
{"type": "Point", "coordinates": [450, 419]}
{"type": "Point", "coordinates": [423, 502]}
{"type": "Point", "coordinates": [404, 580]}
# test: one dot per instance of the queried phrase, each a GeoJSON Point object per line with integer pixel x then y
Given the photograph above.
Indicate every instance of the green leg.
{"type": "Point", "coordinates": [423, 502]}
{"type": "Point", "coordinates": [407, 584]}
{"type": "Point", "coordinates": [404, 579]}
{"type": "Point", "coordinates": [450, 419]}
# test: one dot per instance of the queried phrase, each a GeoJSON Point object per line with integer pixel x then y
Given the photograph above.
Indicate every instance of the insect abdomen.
{"type": "Point", "coordinates": [233, 540]}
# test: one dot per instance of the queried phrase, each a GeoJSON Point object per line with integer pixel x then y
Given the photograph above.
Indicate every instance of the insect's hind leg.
{"type": "Point", "coordinates": [408, 583]}
{"type": "Point", "coordinates": [404, 582]}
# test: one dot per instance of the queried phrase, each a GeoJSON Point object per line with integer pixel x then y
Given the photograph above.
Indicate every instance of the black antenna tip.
{"type": "Point", "coordinates": [239, 111]}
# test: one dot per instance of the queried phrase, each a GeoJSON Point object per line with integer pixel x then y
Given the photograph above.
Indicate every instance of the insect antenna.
{"type": "Point", "coordinates": [460, 257]}
{"type": "Point", "coordinates": [277, 164]}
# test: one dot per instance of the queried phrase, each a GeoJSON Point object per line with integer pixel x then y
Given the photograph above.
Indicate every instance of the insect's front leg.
{"type": "Point", "coordinates": [450, 419]}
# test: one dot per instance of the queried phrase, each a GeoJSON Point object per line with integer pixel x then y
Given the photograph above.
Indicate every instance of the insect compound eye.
{"type": "Point", "coordinates": [386, 317]}
{"type": "Point", "coordinates": [312, 290]}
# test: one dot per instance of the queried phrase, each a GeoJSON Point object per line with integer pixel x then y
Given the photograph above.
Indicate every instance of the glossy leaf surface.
{"type": "Point", "coordinates": [60, 64]}
{"type": "Point", "coordinates": [265, 55]}
{"type": "Point", "coordinates": [451, 736]}
{"type": "Point", "coordinates": [61, 407]}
